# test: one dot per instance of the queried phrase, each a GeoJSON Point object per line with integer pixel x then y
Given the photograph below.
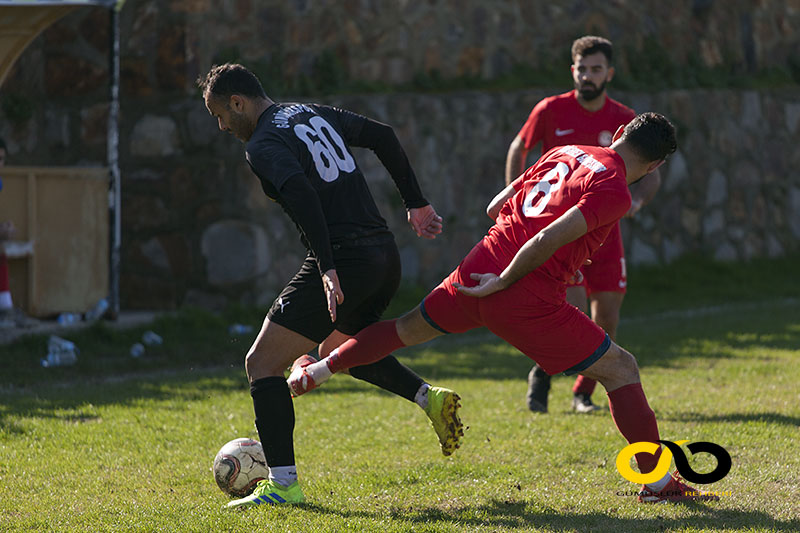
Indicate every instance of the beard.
{"type": "Point", "coordinates": [589, 92]}
{"type": "Point", "coordinates": [239, 125]}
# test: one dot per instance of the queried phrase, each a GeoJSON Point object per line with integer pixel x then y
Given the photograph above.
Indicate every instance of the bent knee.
{"type": "Point", "coordinates": [624, 362]}
{"type": "Point", "coordinates": [617, 367]}
{"type": "Point", "coordinates": [258, 364]}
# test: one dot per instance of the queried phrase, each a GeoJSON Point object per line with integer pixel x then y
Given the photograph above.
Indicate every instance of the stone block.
{"type": "Point", "coordinates": [677, 171]}
{"type": "Point", "coordinates": [94, 124]}
{"type": "Point", "coordinates": [751, 116]}
{"type": "Point", "coordinates": [794, 210]}
{"type": "Point", "coordinates": [774, 247]}
{"type": "Point", "coordinates": [143, 212]}
{"type": "Point", "coordinates": [792, 113]}
{"type": "Point", "coordinates": [671, 249]}
{"type": "Point", "coordinates": [156, 254]}
{"type": "Point", "coordinates": [235, 251]}
{"type": "Point", "coordinates": [713, 223]}
{"type": "Point", "coordinates": [154, 136]}
{"type": "Point", "coordinates": [690, 222]}
{"type": "Point", "coordinates": [203, 128]}
{"type": "Point", "coordinates": [717, 191]}
{"type": "Point", "coordinates": [725, 252]}
{"type": "Point", "coordinates": [642, 253]}
{"type": "Point", "coordinates": [212, 301]}
{"type": "Point", "coordinates": [410, 259]}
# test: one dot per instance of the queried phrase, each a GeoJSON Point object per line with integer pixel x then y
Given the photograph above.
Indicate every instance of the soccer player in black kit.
{"type": "Point", "coordinates": [301, 155]}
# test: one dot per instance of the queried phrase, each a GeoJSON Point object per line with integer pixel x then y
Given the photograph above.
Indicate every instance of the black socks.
{"type": "Point", "coordinates": [391, 375]}
{"type": "Point", "coordinates": [274, 410]}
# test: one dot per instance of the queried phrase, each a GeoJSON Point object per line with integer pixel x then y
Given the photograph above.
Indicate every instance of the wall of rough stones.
{"type": "Point", "coordinates": [197, 229]}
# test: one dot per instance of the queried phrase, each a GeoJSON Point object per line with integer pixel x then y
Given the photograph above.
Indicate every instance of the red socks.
{"type": "Point", "coordinates": [584, 385]}
{"type": "Point", "coordinates": [635, 420]}
{"type": "Point", "coordinates": [371, 344]}
{"type": "Point", "coordinates": [5, 290]}
{"type": "Point", "coordinates": [4, 273]}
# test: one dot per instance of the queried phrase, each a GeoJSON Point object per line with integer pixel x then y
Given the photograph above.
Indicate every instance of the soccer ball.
{"type": "Point", "coordinates": [239, 465]}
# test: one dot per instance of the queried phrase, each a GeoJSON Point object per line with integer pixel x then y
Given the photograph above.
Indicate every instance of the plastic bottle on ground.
{"type": "Point", "coordinates": [151, 338]}
{"type": "Point", "coordinates": [60, 352]}
{"type": "Point", "coordinates": [97, 312]}
{"type": "Point", "coordinates": [239, 329]}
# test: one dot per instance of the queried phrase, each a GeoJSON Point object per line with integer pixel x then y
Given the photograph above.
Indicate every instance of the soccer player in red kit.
{"type": "Point", "coordinates": [584, 116]}
{"type": "Point", "coordinates": [552, 219]}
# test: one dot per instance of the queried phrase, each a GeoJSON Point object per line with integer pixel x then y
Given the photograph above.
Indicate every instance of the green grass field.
{"type": "Point", "coordinates": [121, 444]}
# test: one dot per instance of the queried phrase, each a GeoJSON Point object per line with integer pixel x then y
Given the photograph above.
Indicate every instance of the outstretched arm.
{"type": "Point", "coordinates": [421, 215]}
{"type": "Point", "coordinates": [381, 139]}
{"type": "Point", "coordinates": [643, 191]}
{"type": "Point", "coordinates": [515, 159]}
{"type": "Point", "coordinates": [568, 227]}
{"type": "Point", "coordinates": [494, 207]}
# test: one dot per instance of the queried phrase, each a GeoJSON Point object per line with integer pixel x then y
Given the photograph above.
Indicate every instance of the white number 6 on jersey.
{"type": "Point", "coordinates": [327, 148]}
{"type": "Point", "coordinates": [540, 194]}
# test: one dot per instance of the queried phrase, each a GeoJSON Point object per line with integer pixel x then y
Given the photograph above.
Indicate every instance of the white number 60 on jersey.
{"type": "Point", "coordinates": [534, 203]}
{"type": "Point", "coordinates": [320, 140]}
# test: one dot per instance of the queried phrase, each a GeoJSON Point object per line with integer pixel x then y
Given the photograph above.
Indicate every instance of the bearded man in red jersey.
{"type": "Point", "coordinates": [583, 116]}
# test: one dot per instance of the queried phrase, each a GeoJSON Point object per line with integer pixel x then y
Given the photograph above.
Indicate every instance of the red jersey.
{"type": "Point", "coordinates": [561, 120]}
{"type": "Point", "coordinates": [590, 177]}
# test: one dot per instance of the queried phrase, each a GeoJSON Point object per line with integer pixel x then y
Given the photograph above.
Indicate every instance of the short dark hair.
{"type": "Point", "coordinates": [223, 81]}
{"type": "Point", "coordinates": [591, 44]}
{"type": "Point", "coordinates": [651, 135]}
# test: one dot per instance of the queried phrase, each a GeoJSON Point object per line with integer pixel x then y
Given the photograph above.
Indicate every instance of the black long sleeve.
{"type": "Point", "coordinates": [302, 203]}
{"type": "Point", "coordinates": [381, 139]}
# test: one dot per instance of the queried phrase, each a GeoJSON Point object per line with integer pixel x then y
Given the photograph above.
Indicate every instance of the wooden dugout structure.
{"type": "Point", "coordinates": [66, 253]}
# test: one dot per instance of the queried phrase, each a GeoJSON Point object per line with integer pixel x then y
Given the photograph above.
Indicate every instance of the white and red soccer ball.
{"type": "Point", "coordinates": [239, 465]}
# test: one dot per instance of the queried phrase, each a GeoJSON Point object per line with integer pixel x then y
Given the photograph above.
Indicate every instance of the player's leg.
{"type": "Point", "coordinates": [438, 403]}
{"type": "Point", "coordinates": [273, 350]}
{"type": "Point", "coordinates": [6, 305]}
{"type": "Point", "coordinates": [372, 275]}
{"type": "Point", "coordinates": [618, 371]}
{"type": "Point", "coordinates": [605, 307]}
{"type": "Point", "coordinates": [438, 314]}
{"type": "Point", "coordinates": [444, 310]}
{"type": "Point", "coordinates": [538, 379]}
{"type": "Point", "coordinates": [606, 282]}
{"type": "Point", "coordinates": [297, 321]}
{"type": "Point", "coordinates": [369, 345]}
{"type": "Point", "coordinates": [569, 341]}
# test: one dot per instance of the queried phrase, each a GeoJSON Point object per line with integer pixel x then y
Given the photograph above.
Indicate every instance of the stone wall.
{"type": "Point", "coordinates": [198, 229]}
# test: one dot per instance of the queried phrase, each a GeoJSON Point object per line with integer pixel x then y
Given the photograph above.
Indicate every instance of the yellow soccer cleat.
{"type": "Point", "coordinates": [271, 493]}
{"type": "Point", "coordinates": [442, 409]}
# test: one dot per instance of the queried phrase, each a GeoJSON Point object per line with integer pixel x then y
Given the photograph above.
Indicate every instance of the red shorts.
{"type": "Point", "coordinates": [607, 271]}
{"type": "Point", "coordinates": [556, 336]}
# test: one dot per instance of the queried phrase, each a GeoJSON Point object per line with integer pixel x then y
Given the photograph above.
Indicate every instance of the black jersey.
{"type": "Point", "coordinates": [301, 154]}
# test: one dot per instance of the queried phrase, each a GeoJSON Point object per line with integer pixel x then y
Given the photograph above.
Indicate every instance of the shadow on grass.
{"type": "Point", "coordinates": [474, 355]}
{"type": "Point", "coordinates": [76, 402]}
{"type": "Point", "coordinates": [736, 418]}
{"type": "Point", "coordinates": [527, 515]}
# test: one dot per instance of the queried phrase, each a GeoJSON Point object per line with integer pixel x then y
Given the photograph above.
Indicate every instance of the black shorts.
{"type": "Point", "coordinates": [369, 276]}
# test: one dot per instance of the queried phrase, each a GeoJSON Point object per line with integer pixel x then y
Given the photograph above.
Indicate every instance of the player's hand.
{"type": "Point", "coordinates": [636, 205]}
{"type": "Point", "coordinates": [333, 291]}
{"type": "Point", "coordinates": [577, 278]}
{"type": "Point", "coordinates": [425, 222]}
{"type": "Point", "coordinates": [487, 284]}
{"type": "Point", "coordinates": [6, 230]}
